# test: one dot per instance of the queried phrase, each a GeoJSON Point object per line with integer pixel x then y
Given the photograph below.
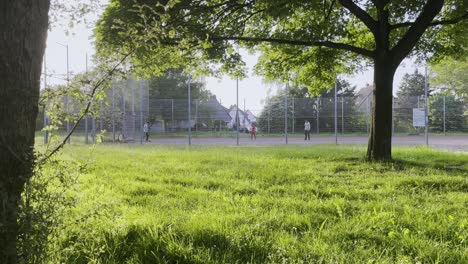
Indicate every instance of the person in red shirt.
{"type": "Point", "coordinates": [253, 132]}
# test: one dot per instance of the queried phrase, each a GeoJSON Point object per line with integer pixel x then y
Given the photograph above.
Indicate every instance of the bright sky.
{"type": "Point", "coordinates": [252, 89]}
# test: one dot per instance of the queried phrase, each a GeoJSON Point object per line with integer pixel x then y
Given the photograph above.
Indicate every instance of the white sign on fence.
{"type": "Point", "coordinates": [419, 117]}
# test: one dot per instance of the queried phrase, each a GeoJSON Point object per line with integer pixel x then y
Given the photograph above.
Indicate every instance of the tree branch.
{"type": "Point", "coordinates": [87, 108]}
{"type": "Point", "coordinates": [434, 23]}
{"type": "Point", "coordinates": [360, 14]}
{"type": "Point", "coordinates": [328, 44]}
{"type": "Point", "coordinates": [414, 33]}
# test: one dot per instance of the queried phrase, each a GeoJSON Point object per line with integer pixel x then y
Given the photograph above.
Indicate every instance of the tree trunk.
{"type": "Point", "coordinates": [23, 31]}
{"type": "Point", "coordinates": [380, 139]}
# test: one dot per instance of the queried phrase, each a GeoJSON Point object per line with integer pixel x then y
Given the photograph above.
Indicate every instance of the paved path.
{"type": "Point", "coordinates": [452, 143]}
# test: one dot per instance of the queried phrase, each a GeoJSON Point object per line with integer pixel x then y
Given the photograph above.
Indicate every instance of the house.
{"type": "Point", "coordinates": [364, 98]}
{"type": "Point", "coordinates": [246, 119]}
{"type": "Point", "coordinates": [211, 114]}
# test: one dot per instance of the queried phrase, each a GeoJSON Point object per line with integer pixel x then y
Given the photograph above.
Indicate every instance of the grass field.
{"type": "Point", "coordinates": [320, 204]}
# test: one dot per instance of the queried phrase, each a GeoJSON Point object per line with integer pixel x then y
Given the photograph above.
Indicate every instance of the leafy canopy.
{"type": "Point", "coordinates": [306, 41]}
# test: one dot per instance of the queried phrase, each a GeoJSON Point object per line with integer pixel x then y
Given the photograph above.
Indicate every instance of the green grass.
{"type": "Point", "coordinates": [320, 204]}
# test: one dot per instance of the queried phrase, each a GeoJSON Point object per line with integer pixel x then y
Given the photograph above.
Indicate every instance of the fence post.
{"type": "Point", "coordinates": [189, 112]}
{"type": "Point", "coordinates": [172, 115]}
{"type": "Point", "coordinates": [336, 115]}
{"type": "Point", "coordinates": [237, 111]}
{"type": "Point", "coordinates": [318, 115]}
{"type": "Point", "coordinates": [426, 108]}
{"type": "Point", "coordinates": [196, 115]}
{"type": "Point", "coordinates": [133, 110]}
{"type": "Point", "coordinates": [46, 132]}
{"type": "Point", "coordinates": [286, 113]}
{"type": "Point", "coordinates": [368, 114]}
{"type": "Point", "coordinates": [269, 115]}
{"type": "Point", "coordinates": [342, 115]}
{"type": "Point", "coordinates": [93, 129]}
{"type": "Point", "coordinates": [67, 111]}
{"type": "Point", "coordinates": [86, 129]}
{"type": "Point", "coordinates": [101, 122]}
{"type": "Point", "coordinates": [444, 115]}
{"type": "Point", "coordinates": [393, 116]}
{"type": "Point", "coordinates": [141, 113]}
{"type": "Point", "coordinates": [293, 117]}
{"type": "Point", "coordinates": [113, 113]}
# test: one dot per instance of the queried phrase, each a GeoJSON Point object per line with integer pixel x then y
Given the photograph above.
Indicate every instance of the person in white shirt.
{"type": "Point", "coordinates": [146, 131]}
{"type": "Point", "coordinates": [307, 130]}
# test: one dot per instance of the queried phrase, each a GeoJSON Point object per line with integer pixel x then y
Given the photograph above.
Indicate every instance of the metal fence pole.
{"type": "Point", "coordinates": [68, 87]}
{"type": "Point", "coordinates": [172, 115]}
{"type": "Point", "coordinates": [368, 114]}
{"type": "Point", "coordinates": [443, 111]}
{"type": "Point", "coordinates": [189, 112]}
{"type": "Point", "coordinates": [113, 113]}
{"type": "Point", "coordinates": [318, 115]}
{"type": "Point", "coordinates": [293, 117]}
{"type": "Point", "coordinates": [342, 115]}
{"type": "Point", "coordinates": [123, 129]}
{"type": "Point", "coordinates": [101, 122]}
{"type": "Point", "coordinates": [286, 113]}
{"type": "Point", "coordinates": [336, 114]}
{"type": "Point", "coordinates": [86, 129]}
{"type": "Point", "coordinates": [269, 116]}
{"type": "Point", "coordinates": [196, 115]}
{"type": "Point", "coordinates": [237, 111]}
{"type": "Point", "coordinates": [426, 107]}
{"type": "Point", "coordinates": [141, 112]}
{"type": "Point", "coordinates": [133, 110]}
{"type": "Point", "coordinates": [93, 130]}
{"type": "Point", "coordinates": [393, 117]}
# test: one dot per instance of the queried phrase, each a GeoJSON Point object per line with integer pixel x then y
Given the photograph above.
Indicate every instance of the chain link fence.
{"type": "Point", "coordinates": [126, 107]}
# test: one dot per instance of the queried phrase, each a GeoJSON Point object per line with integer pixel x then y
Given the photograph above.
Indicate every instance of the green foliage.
{"type": "Point", "coordinates": [410, 95]}
{"type": "Point", "coordinates": [266, 205]}
{"type": "Point", "coordinates": [455, 120]}
{"type": "Point", "coordinates": [49, 194]}
{"type": "Point", "coordinates": [271, 118]}
{"type": "Point", "coordinates": [173, 85]}
{"type": "Point", "coordinates": [451, 74]}
{"type": "Point", "coordinates": [293, 36]}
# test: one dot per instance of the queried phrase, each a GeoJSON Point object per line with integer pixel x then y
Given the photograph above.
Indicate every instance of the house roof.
{"type": "Point", "coordinates": [220, 112]}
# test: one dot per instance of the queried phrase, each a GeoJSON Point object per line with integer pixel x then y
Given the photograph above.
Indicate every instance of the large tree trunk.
{"type": "Point", "coordinates": [380, 139]}
{"type": "Point", "coordinates": [23, 32]}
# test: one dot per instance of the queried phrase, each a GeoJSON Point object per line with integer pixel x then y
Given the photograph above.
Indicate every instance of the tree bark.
{"type": "Point", "coordinates": [23, 32]}
{"type": "Point", "coordinates": [380, 139]}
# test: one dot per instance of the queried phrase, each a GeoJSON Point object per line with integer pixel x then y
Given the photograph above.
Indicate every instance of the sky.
{"type": "Point", "coordinates": [252, 90]}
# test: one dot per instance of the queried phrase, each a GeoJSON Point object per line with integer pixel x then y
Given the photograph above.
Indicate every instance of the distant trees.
{"type": "Point", "coordinates": [409, 96]}
{"type": "Point", "coordinates": [302, 106]}
{"type": "Point", "coordinates": [455, 121]}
